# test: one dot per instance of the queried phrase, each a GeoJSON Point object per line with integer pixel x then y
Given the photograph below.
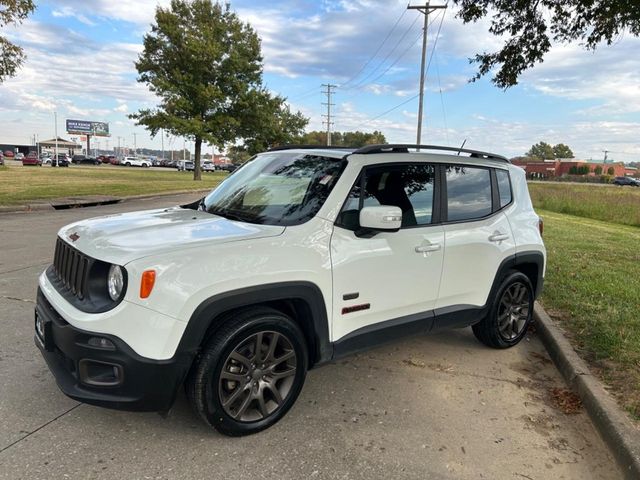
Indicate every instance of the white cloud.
{"type": "Point", "coordinates": [69, 12]}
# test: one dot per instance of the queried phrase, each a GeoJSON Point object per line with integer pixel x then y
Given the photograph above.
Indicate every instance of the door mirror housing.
{"type": "Point", "coordinates": [385, 218]}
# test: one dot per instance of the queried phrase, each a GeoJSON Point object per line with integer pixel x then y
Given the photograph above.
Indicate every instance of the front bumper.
{"type": "Point", "coordinates": [114, 377]}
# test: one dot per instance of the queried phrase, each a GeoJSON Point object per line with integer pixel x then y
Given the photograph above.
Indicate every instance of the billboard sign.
{"type": "Point", "coordinates": [84, 127]}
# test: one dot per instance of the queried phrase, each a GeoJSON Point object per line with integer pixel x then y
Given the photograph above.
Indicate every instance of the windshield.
{"type": "Point", "coordinates": [279, 188]}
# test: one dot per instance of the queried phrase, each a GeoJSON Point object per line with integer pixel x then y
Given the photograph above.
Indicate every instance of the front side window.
{"type": "Point", "coordinates": [409, 187]}
{"type": "Point", "coordinates": [468, 192]}
{"type": "Point", "coordinates": [276, 188]}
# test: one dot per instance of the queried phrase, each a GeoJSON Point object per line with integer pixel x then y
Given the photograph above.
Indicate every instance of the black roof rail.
{"type": "Point", "coordinates": [404, 148]}
{"type": "Point", "coordinates": [309, 147]}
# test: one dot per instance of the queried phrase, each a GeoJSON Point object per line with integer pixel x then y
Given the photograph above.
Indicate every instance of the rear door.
{"type": "Point", "coordinates": [477, 235]}
{"type": "Point", "coordinates": [390, 276]}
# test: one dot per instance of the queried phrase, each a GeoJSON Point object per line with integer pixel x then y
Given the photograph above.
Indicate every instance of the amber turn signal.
{"type": "Point", "coordinates": [147, 282]}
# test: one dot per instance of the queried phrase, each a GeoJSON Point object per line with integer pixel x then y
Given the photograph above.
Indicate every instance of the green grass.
{"type": "Point", "coordinates": [20, 185]}
{"type": "Point", "coordinates": [599, 202]}
{"type": "Point", "coordinates": [592, 287]}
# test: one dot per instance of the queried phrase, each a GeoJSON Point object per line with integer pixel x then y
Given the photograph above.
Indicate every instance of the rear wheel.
{"type": "Point", "coordinates": [250, 372]}
{"type": "Point", "coordinates": [510, 315]}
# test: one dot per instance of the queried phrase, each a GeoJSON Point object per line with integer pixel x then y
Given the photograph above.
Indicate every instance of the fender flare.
{"type": "Point", "coordinates": [316, 326]}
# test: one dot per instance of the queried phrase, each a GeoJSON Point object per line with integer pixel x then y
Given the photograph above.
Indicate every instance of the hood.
{"type": "Point", "coordinates": [125, 237]}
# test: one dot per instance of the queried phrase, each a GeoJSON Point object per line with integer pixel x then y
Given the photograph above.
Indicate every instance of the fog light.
{"type": "Point", "coordinates": [101, 342]}
{"type": "Point", "coordinates": [99, 374]}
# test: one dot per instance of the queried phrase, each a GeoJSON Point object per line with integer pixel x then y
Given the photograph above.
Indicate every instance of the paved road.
{"type": "Point", "coordinates": [439, 407]}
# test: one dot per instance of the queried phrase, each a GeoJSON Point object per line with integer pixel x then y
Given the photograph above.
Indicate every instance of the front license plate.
{"type": "Point", "coordinates": [43, 332]}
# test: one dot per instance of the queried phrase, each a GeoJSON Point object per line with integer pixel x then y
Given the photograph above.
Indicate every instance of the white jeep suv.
{"type": "Point", "coordinates": [300, 257]}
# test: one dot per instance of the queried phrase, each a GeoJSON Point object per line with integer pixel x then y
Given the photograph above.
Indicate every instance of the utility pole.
{"type": "Point", "coordinates": [135, 144]}
{"type": "Point", "coordinates": [162, 137]}
{"type": "Point", "coordinates": [55, 121]}
{"type": "Point", "coordinates": [425, 9]}
{"type": "Point", "coordinates": [605, 155]}
{"type": "Point", "coordinates": [328, 115]}
{"type": "Point", "coordinates": [118, 153]}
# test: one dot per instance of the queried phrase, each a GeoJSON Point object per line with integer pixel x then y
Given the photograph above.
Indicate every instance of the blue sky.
{"type": "Point", "coordinates": [81, 54]}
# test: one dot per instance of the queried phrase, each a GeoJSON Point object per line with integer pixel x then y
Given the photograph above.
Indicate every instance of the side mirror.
{"type": "Point", "coordinates": [384, 218]}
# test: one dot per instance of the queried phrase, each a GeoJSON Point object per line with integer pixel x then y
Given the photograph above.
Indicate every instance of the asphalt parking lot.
{"type": "Point", "coordinates": [437, 407]}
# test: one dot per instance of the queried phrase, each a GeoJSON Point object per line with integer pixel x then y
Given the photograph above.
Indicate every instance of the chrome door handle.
{"type": "Point", "coordinates": [498, 237]}
{"type": "Point", "coordinates": [433, 247]}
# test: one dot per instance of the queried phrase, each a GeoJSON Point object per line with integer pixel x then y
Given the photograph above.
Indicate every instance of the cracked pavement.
{"type": "Point", "coordinates": [437, 407]}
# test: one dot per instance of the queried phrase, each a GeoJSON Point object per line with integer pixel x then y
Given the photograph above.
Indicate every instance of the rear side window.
{"type": "Point", "coordinates": [468, 192]}
{"type": "Point", "coordinates": [504, 187]}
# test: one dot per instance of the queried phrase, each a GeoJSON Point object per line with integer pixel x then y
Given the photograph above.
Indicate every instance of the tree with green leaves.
{"type": "Point", "coordinates": [529, 28]}
{"type": "Point", "coordinates": [343, 139]}
{"type": "Point", "coordinates": [12, 56]}
{"type": "Point", "coordinates": [562, 151]}
{"type": "Point", "coordinates": [541, 151]}
{"type": "Point", "coordinates": [204, 65]}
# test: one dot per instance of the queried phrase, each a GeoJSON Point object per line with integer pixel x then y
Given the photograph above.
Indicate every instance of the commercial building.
{"type": "Point", "coordinates": [569, 166]}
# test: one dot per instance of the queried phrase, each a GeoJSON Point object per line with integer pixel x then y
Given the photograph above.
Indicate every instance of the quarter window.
{"type": "Point", "coordinates": [409, 187]}
{"type": "Point", "coordinates": [504, 187]}
{"type": "Point", "coordinates": [468, 192]}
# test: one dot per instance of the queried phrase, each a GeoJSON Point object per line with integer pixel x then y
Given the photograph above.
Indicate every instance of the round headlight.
{"type": "Point", "coordinates": [115, 282]}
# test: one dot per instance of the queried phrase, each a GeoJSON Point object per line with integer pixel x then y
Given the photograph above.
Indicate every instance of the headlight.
{"type": "Point", "coordinates": [115, 282]}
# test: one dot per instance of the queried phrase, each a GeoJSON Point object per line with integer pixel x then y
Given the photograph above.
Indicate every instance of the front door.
{"type": "Point", "coordinates": [390, 279]}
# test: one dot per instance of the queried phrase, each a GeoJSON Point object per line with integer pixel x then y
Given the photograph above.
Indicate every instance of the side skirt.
{"type": "Point", "coordinates": [457, 316]}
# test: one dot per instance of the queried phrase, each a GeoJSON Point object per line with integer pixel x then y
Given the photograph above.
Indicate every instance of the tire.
{"type": "Point", "coordinates": [127, 164]}
{"type": "Point", "coordinates": [145, 165]}
{"type": "Point", "coordinates": [225, 391]}
{"type": "Point", "coordinates": [510, 315]}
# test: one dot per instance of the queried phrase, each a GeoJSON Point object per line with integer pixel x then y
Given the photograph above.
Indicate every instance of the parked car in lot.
{"type": "Point", "coordinates": [185, 166]}
{"type": "Point", "coordinates": [114, 160]}
{"type": "Point", "coordinates": [208, 167]}
{"type": "Point", "coordinates": [168, 163]}
{"type": "Point", "coordinates": [9, 154]}
{"type": "Point", "coordinates": [301, 257]}
{"type": "Point", "coordinates": [622, 181]}
{"type": "Point", "coordinates": [228, 167]}
{"type": "Point", "coordinates": [19, 156]}
{"type": "Point", "coordinates": [1, 158]}
{"type": "Point", "coordinates": [62, 160]}
{"type": "Point", "coordinates": [83, 159]}
{"type": "Point", "coordinates": [135, 162]}
{"type": "Point", "coordinates": [31, 159]}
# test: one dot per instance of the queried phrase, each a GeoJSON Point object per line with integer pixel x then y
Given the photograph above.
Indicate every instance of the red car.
{"type": "Point", "coordinates": [114, 160]}
{"type": "Point", "coordinates": [9, 154]}
{"type": "Point", "coordinates": [32, 159]}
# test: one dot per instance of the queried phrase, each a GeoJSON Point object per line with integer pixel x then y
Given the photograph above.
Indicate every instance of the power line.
{"type": "Point", "coordinates": [403, 54]}
{"type": "Point", "coordinates": [388, 111]}
{"type": "Point", "coordinates": [444, 114]}
{"type": "Point", "coordinates": [386, 57]}
{"type": "Point", "coordinates": [377, 50]}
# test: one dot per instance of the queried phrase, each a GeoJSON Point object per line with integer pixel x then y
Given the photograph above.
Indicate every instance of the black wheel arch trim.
{"type": "Point", "coordinates": [206, 316]}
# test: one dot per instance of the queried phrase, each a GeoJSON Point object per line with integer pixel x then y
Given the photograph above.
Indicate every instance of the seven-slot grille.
{"type": "Point", "coordinates": [71, 268]}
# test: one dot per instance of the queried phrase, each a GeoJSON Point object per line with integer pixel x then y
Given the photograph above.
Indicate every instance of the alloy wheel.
{"type": "Point", "coordinates": [257, 376]}
{"type": "Point", "coordinates": [513, 311]}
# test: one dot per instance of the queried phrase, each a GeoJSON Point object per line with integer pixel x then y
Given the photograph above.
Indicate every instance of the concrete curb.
{"type": "Point", "coordinates": [48, 206]}
{"type": "Point", "coordinates": [615, 428]}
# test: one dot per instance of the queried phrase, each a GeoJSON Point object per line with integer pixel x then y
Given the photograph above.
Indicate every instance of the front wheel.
{"type": "Point", "coordinates": [510, 314]}
{"type": "Point", "coordinates": [250, 372]}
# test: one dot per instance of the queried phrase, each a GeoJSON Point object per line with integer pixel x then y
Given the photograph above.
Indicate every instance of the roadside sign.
{"type": "Point", "coordinates": [85, 127]}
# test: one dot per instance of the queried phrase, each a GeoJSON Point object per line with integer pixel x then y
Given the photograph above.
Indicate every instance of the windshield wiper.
{"type": "Point", "coordinates": [228, 215]}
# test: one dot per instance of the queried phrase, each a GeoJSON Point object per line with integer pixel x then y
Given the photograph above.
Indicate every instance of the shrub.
{"type": "Point", "coordinates": [598, 170]}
